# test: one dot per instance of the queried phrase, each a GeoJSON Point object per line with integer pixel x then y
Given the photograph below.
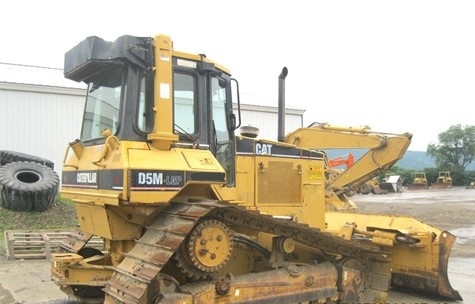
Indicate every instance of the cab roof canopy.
{"type": "Point", "coordinates": [95, 55]}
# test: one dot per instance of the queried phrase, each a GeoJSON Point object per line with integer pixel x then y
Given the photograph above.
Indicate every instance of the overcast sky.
{"type": "Point", "coordinates": [396, 66]}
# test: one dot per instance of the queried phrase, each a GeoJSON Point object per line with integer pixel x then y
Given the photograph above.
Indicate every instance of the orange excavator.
{"type": "Point", "coordinates": [333, 173]}
{"type": "Point", "coordinates": [347, 160]}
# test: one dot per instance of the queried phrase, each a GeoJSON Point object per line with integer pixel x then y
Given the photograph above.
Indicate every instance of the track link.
{"type": "Point", "coordinates": [75, 241]}
{"type": "Point", "coordinates": [133, 279]}
{"type": "Point", "coordinates": [134, 275]}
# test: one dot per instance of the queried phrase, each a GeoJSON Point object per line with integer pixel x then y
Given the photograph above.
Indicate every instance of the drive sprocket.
{"type": "Point", "coordinates": [206, 250]}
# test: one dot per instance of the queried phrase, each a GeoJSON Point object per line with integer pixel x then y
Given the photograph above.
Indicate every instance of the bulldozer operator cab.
{"type": "Point", "coordinates": [172, 101]}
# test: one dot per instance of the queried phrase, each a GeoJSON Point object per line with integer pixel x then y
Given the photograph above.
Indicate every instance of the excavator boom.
{"type": "Point", "coordinates": [420, 264]}
{"type": "Point", "coordinates": [419, 252]}
{"type": "Point", "coordinates": [384, 150]}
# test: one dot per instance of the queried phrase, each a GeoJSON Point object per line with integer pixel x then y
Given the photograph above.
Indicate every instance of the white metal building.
{"type": "Point", "coordinates": [41, 112]}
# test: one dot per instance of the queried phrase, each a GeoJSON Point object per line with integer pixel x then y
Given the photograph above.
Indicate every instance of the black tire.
{"type": "Point", "coordinates": [365, 189]}
{"type": "Point", "coordinates": [28, 186]}
{"type": "Point", "coordinates": [350, 193]}
{"type": "Point", "coordinates": [7, 157]}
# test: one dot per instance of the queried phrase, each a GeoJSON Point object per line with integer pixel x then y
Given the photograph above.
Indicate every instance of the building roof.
{"type": "Point", "coordinates": [36, 75]}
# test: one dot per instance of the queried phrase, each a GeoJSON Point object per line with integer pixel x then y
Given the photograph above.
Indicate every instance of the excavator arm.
{"type": "Point", "coordinates": [419, 266]}
{"type": "Point", "coordinates": [383, 150]}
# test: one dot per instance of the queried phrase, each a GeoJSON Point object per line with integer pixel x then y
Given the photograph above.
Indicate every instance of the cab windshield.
{"type": "Point", "coordinates": [101, 108]}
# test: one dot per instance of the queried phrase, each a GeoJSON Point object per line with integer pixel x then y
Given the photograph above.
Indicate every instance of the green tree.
{"type": "Point", "coordinates": [456, 148]}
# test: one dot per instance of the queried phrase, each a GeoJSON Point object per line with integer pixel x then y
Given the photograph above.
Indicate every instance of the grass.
{"type": "Point", "coordinates": [61, 215]}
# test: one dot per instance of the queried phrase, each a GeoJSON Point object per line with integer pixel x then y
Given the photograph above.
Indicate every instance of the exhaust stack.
{"type": "Point", "coordinates": [281, 109]}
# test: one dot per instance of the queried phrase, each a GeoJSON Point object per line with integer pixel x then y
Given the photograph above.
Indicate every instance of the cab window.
{"type": "Point", "coordinates": [184, 100]}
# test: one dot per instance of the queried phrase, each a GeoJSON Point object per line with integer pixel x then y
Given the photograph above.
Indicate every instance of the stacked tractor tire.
{"type": "Point", "coordinates": [27, 182]}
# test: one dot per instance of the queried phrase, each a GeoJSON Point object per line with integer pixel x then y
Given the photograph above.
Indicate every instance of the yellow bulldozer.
{"type": "Point", "coordinates": [419, 182]}
{"type": "Point", "coordinates": [191, 212]}
{"type": "Point", "coordinates": [444, 181]}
